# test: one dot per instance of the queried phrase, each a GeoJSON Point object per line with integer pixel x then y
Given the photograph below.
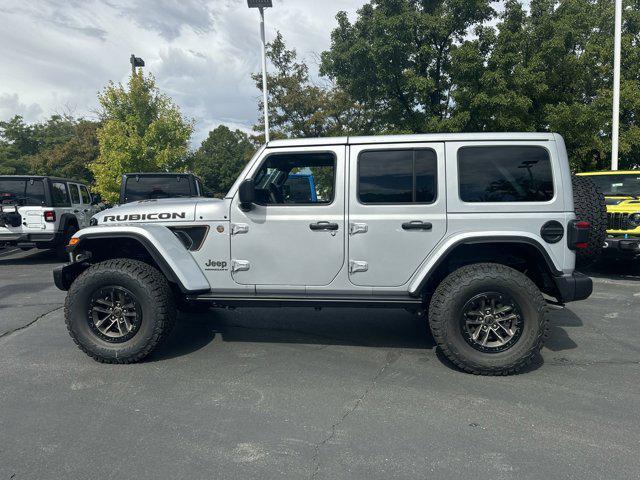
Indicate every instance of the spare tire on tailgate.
{"type": "Point", "coordinates": [589, 205]}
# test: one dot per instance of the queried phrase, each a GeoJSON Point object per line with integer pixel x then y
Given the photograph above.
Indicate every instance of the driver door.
{"type": "Point", "coordinates": [290, 238]}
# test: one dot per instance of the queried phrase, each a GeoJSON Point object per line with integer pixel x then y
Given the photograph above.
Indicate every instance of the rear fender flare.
{"type": "Point", "coordinates": [421, 277]}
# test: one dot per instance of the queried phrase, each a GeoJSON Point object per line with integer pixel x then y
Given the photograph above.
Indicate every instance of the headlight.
{"type": "Point", "coordinates": [634, 220]}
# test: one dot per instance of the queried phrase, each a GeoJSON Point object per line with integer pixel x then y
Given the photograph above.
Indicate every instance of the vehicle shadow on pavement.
{"type": "Point", "coordinates": [614, 269]}
{"type": "Point", "coordinates": [558, 336]}
{"type": "Point", "coordinates": [30, 257]}
{"type": "Point", "coordinates": [378, 328]}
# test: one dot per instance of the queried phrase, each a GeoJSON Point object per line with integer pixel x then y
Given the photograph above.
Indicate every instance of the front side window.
{"type": "Point", "coordinates": [296, 179]}
{"type": "Point", "coordinates": [59, 195]}
{"type": "Point", "coordinates": [505, 174]}
{"type": "Point", "coordinates": [397, 176]}
{"type": "Point", "coordinates": [75, 196]}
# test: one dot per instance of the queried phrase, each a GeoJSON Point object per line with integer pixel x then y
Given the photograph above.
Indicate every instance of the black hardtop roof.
{"type": "Point", "coordinates": [158, 174]}
{"type": "Point", "coordinates": [42, 177]}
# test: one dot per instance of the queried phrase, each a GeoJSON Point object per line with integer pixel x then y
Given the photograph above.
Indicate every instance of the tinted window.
{"type": "Point", "coordinates": [505, 174]}
{"type": "Point", "coordinates": [397, 176]}
{"type": "Point", "coordinates": [59, 195]}
{"type": "Point", "coordinates": [151, 187]}
{"type": "Point", "coordinates": [29, 192]}
{"type": "Point", "coordinates": [86, 198]}
{"type": "Point", "coordinates": [622, 184]}
{"type": "Point", "coordinates": [75, 196]}
{"type": "Point", "coordinates": [296, 178]}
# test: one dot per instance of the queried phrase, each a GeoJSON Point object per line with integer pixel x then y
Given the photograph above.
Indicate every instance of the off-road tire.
{"type": "Point", "coordinates": [590, 206]}
{"type": "Point", "coordinates": [445, 312]}
{"type": "Point", "coordinates": [61, 248]}
{"type": "Point", "coordinates": [151, 290]}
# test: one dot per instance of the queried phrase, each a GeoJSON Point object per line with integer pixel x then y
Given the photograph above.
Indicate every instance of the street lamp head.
{"type": "Point", "coordinates": [136, 61]}
{"type": "Point", "coordinates": [260, 3]}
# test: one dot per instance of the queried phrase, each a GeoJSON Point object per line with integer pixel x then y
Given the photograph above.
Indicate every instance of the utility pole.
{"type": "Point", "coordinates": [261, 5]}
{"type": "Point", "coordinates": [615, 121]}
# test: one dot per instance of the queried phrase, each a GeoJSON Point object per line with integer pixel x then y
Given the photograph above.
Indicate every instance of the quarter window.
{"type": "Point", "coordinates": [505, 174]}
{"type": "Point", "coordinates": [397, 176]}
{"type": "Point", "coordinates": [86, 198]}
{"type": "Point", "coordinates": [75, 196]}
{"type": "Point", "coordinates": [59, 195]}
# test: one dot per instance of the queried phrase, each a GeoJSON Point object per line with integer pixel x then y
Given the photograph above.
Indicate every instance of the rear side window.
{"type": "Point", "coordinates": [75, 196]}
{"type": "Point", "coordinates": [397, 176]}
{"type": "Point", "coordinates": [59, 195]}
{"type": "Point", "coordinates": [86, 198]}
{"type": "Point", "coordinates": [505, 174]}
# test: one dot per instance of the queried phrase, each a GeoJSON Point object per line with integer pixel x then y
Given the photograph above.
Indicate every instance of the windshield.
{"type": "Point", "coordinates": [146, 188]}
{"type": "Point", "coordinates": [620, 185]}
{"type": "Point", "coordinates": [22, 191]}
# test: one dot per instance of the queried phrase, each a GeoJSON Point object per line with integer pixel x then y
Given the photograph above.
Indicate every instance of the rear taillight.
{"type": "Point", "coordinates": [49, 216]}
{"type": "Point", "coordinates": [578, 234]}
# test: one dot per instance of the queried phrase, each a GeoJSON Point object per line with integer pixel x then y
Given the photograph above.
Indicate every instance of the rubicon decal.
{"type": "Point", "coordinates": [136, 217]}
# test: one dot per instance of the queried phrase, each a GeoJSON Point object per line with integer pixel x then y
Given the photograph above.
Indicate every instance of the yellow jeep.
{"type": "Point", "coordinates": [622, 192]}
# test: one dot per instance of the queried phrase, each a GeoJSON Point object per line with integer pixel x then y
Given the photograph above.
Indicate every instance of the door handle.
{"type": "Point", "coordinates": [417, 225]}
{"type": "Point", "coordinates": [323, 226]}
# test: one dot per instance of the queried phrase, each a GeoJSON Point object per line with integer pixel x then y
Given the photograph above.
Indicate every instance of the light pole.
{"type": "Point", "coordinates": [261, 5]}
{"type": "Point", "coordinates": [135, 62]}
{"type": "Point", "coordinates": [615, 122]}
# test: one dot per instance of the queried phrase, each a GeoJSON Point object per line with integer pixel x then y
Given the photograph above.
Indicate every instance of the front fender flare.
{"type": "Point", "coordinates": [169, 254]}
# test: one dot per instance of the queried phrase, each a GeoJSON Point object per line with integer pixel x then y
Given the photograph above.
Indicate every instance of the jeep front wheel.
{"type": "Point", "coordinates": [488, 319]}
{"type": "Point", "coordinates": [119, 311]}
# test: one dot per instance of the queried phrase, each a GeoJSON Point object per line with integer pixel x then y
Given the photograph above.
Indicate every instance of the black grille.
{"type": "Point", "coordinates": [618, 221]}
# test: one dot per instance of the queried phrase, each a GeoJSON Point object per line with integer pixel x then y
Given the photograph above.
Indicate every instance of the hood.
{"type": "Point", "coordinates": [150, 211]}
{"type": "Point", "coordinates": [623, 205]}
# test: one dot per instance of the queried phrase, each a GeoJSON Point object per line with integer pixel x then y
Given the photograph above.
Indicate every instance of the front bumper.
{"type": "Point", "coordinates": [42, 240]}
{"type": "Point", "coordinates": [572, 287]}
{"type": "Point", "coordinates": [622, 246]}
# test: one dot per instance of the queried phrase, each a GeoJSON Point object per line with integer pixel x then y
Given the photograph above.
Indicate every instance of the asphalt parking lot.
{"type": "Point", "coordinates": [297, 393]}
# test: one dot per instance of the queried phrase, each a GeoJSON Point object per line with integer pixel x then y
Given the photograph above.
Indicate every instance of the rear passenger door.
{"type": "Point", "coordinates": [76, 203]}
{"type": "Point", "coordinates": [397, 210]}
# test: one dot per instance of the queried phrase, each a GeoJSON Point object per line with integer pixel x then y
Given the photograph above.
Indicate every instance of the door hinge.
{"type": "Point", "coordinates": [358, 228]}
{"type": "Point", "coordinates": [237, 228]}
{"type": "Point", "coordinates": [358, 266]}
{"type": "Point", "coordinates": [240, 265]}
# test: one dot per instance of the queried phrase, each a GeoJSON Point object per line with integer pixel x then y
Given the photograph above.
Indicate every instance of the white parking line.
{"type": "Point", "coordinates": [4, 253]}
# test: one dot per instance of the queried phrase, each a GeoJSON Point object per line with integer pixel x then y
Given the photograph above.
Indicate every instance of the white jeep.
{"type": "Point", "coordinates": [476, 230]}
{"type": "Point", "coordinates": [43, 212]}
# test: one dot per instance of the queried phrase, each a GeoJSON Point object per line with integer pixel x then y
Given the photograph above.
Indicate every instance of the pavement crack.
{"type": "Point", "coordinates": [32, 322]}
{"type": "Point", "coordinates": [392, 357]}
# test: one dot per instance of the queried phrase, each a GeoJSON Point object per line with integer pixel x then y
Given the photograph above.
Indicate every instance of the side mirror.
{"type": "Point", "coordinates": [247, 194]}
{"type": "Point", "coordinates": [96, 199]}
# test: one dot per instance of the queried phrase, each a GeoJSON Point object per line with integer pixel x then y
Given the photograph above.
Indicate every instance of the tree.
{"type": "Point", "coordinates": [299, 107]}
{"type": "Point", "coordinates": [221, 157]}
{"type": "Point", "coordinates": [395, 59]}
{"type": "Point", "coordinates": [142, 130]}
{"type": "Point", "coordinates": [61, 146]}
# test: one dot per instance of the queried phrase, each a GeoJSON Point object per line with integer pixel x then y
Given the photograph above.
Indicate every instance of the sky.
{"type": "Point", "coordinates": [56, 55]}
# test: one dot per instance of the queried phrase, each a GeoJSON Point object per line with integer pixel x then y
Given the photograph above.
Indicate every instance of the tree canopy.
{"type": "Point", "coordinates": [61, 146]}
{"type": "Point", "coordinates": [221, 157]}
{"type": "Point", "coordinates": [142, 130]}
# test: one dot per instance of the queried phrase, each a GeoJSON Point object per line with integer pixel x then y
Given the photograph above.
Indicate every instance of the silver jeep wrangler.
{"type": "Point", "coordinates": [476, 230]}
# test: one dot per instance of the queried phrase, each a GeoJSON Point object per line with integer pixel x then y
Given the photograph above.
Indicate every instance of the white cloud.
{"type": "Point", "coordinates": [57, 55]}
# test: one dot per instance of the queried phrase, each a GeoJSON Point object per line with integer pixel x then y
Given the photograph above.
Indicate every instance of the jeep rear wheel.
{"type": "Point", "coordinates": [119, 311]}
{"type": "Point", "coordinates": [488, 319]}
